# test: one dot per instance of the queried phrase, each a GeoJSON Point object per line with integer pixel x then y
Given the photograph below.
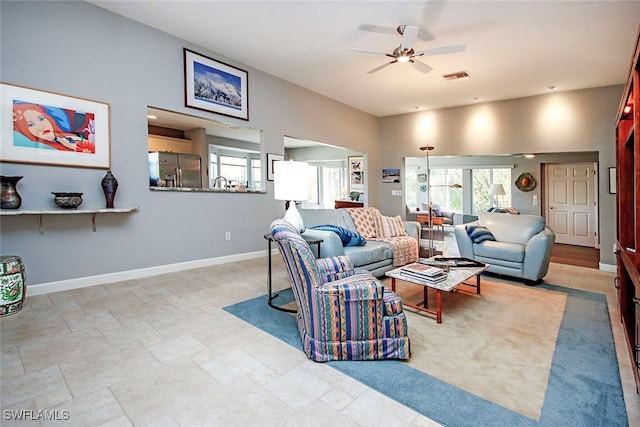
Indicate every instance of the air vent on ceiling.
{"type": "Point", "coordinates": [459, 75]}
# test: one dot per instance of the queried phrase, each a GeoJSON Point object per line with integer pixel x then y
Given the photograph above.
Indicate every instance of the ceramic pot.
{"type": "Point", "coordinates": [109, 187]}
{"type": "Point", "coordinates": [13, 284]}
{"type": "Point", "coordinates": [9, 195]}
{"type": "Point", "coordinates": [67, 200]}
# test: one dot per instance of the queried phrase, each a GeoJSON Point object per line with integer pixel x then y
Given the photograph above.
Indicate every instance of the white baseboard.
{"type": "Point", "coordinates": [83, 282]}
{"type": "Point", "coordinates": [611, 268]}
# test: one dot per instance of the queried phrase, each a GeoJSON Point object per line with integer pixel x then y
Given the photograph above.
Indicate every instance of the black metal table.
{"type": "Point", "coordinates": [271, 297]}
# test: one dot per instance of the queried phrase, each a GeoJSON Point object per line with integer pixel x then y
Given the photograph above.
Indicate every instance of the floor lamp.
{"type": "Point", "coordinates": [291, 183]}
{"type": "Point", "coordinates": [426, 149]}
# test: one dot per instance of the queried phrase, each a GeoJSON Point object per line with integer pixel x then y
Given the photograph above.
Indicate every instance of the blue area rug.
{"type": "Point", "coordinates": [584, 387]}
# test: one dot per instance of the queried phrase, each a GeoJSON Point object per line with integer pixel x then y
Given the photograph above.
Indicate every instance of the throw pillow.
{"type": "Point", "coordinates": [365, 221]}
{"type": "Point", "coordinates": [478, 233]}
{"type": "Point", "coordinates": [437, 212]}
{"type": "Point", "coordinates": [348, 237]}
{"type": "Point", "coordinates": [392, 226]}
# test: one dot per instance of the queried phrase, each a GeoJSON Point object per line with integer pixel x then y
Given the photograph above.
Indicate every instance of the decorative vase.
{"type": "Point", "coordinates": [13, 284]}
{"type": "Point", "coordinates": [10, 197]}
{"type": "Point", "coordinates": [109, 186]}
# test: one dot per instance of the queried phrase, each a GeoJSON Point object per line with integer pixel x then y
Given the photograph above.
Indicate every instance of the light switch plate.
{"type": "Point", "coordinates": [396, 192]}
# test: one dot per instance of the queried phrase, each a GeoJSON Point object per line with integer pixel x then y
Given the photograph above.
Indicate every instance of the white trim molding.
{"type": "Point", "coordinates": [611, 268]}
{"type": "Point", "coordinates": [84, 282]}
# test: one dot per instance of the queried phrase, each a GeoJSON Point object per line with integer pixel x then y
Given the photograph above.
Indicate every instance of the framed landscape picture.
{"type": "Point", "coordinates": [214, 86]}
{"type": "Point", "coordinates": [390, 175]}
{"type": "Point", "coordinates": [356, 173]}
{"type": "Point", "coordinates": [48, 128]}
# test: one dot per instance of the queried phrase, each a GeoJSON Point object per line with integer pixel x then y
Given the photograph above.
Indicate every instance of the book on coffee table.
{"type": "Point", "coordinates": [423, 269]}
{"type": "Point", "coordinates": [431, 280]}
{"type": "Point", "coordinates": [424, 273]}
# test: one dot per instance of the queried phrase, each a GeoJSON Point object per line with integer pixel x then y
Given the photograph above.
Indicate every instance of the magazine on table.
{"type": "Point", "coordinates": [424, 273]}
{"type": "Point", "coordinates": [423, 279]}
{"type": "Point", "coordinates": [423, 269]}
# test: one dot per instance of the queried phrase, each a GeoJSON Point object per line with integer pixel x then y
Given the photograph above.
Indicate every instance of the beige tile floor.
{"type": "Point", "coordinates": [160, 351]}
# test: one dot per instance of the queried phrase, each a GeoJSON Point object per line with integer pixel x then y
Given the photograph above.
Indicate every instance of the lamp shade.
{"type": "Point", "coordinates": [291, 180]}
{"type": "Point", "coordinates": [496, 190]}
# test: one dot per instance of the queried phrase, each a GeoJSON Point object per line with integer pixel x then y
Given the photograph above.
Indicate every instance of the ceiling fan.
{"type": "Point", "coordinates": [405, 52]}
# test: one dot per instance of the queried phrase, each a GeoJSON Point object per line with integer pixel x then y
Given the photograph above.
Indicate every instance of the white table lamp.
{"type": "Point", "coordinates": [495, 191]}
{"type": "Point", "coordinates": [291, 183]}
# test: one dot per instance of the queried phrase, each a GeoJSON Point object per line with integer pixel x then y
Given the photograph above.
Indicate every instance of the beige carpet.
{"type": "Point", "coordinates": [487, 344]}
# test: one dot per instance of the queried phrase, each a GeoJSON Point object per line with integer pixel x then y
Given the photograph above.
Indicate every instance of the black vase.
{"type": "Point", "coordinates": [109, 186]}
{"type": "Point", "coordinates": [10, 199]}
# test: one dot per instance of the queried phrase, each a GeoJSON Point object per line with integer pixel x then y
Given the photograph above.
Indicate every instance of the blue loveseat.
{"type": "Point", "coordinates": [522, 245]}
{"type": "Point", "coordinates": [375, 256]}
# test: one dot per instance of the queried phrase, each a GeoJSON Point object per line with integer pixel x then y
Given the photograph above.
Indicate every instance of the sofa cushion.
{"type": "Point", "coordinates": [500, 250]}
{"type": "Point", "coordinates": [512, 228]}
{"type": "Point", "coordinates": [372, 252]}
{"type": "Point", "coordinates": [478, 234]}
{"type": "Point", "coordinates": [348, 237]}
{"type": "Point", "coordinates": [392, 226]}
{"type": "Point", "coordinates": [313, 217]}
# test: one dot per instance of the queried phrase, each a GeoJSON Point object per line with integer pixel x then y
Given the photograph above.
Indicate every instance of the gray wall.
{"type": "Point", "coordinates": [573, 121]}
{"type": "Point", "coordinates": [78, 49]}
{"type": "Point", "coordinates": [130, 66]}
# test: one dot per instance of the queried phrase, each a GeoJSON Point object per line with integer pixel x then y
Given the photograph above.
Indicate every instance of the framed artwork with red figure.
{"type": "Point", "coordinates": [48, 128]}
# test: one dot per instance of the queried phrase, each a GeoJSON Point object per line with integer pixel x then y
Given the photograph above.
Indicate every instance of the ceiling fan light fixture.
{"type": "Point", "coordinates": [404, 58]}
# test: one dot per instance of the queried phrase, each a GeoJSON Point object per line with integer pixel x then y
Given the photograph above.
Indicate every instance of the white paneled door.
{"type": "Point", "coordinates": [572, 203]}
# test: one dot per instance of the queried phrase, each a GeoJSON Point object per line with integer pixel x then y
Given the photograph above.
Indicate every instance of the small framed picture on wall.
{"type": "Point", "coordinates": [356, 173]}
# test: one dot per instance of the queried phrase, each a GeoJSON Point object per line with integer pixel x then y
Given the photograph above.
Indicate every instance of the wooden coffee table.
{"type": "Point", "coordinates": [457, 276]}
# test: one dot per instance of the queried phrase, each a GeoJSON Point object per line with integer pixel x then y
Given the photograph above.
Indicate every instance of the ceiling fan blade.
{"type": "Point", "coordinates": [377, 29]}
{"type": "Point", "coordinates": [372, 52]}
{"type": "Point", "coordinates": [409, 36]}
{"type": "Point", "coordinates": [421, 66]}
{"type": "Point", "coordinates": [454, 48]}
{"type": "Point", "coordinates": [380, 67]}
{"type": "Point", "coordinates": [425, 35]}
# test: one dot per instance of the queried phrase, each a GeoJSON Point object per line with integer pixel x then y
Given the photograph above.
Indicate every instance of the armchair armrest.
{"type": "Point", "coordinates": [357, 287]}
{"type": "Point", "coordinates": [465, 244]}
{"type": "Point", "coordinates": [538, 253]}
{"type": "Point", "coordinates": [335, 268]}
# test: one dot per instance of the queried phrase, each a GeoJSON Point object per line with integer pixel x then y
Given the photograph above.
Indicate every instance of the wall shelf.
{"type": "Point", "coordinates": [41, 213]}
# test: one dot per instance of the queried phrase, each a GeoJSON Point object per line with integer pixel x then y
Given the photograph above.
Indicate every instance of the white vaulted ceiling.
{"type": "Point", "coordinates": [513, 48]}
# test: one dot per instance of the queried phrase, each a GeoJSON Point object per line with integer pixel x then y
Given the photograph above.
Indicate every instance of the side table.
{"type": "Point", "coordinates": [272, 296]}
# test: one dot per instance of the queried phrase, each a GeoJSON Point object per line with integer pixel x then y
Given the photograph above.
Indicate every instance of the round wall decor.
{"type": "Point", "coordinates": [526, 182]}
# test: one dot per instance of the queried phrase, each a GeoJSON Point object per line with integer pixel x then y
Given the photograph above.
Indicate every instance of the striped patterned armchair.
{"type": "Point", "coordinates": [342, 315]}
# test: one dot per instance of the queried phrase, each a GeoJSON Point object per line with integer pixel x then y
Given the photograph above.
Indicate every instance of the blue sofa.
{"type": "Point", "coordinates": [375, 256]}
{"type": "Point", "coordinates": [522, 247]}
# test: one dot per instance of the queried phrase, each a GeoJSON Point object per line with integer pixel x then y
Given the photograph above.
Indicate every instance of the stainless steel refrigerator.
{"type": "Point", "coordinates": [174, 170]}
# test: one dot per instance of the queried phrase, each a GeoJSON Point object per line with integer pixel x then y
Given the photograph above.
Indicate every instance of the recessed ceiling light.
{"type": "Point", "coordinates": [475, 98]}
{"type": "Point", "coordinates": [151, 116]}
{"type": "Point", "coordinates": [529, 156]}
{"type": "Point", "coordinates": [552, 87]}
